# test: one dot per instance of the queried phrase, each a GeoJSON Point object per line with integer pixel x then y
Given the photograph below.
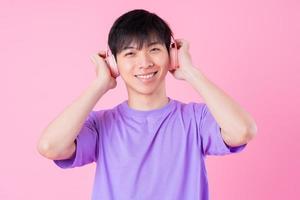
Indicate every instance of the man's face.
{"type": "Point", "coordinates": [143, 70]}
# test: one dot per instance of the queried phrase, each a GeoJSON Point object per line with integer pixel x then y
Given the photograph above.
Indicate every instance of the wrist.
{"type": "Point", "coordinates": [99, 86]}
{"type": "Point", "coordinates": [193, 74]}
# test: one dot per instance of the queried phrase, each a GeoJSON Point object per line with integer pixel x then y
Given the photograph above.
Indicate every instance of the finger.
{"type": "Point", "coordinates": [182, 43]}
{"type": "Point", "coordinates": [96, 59]}
{"type": "Point", "coordinates": [102, 54]}
{"type": "Point", "coordinates": [179, 43]}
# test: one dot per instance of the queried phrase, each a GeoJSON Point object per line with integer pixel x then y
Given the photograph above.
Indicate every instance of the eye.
{"type": "Point", "coordinates": [129, 54]}
{"type": "Point", "coordinates": [155, 49]}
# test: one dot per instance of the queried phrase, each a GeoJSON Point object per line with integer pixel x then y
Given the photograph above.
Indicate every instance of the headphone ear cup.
{"type": "Point", "coordinates": [173, 57]}
{"type": "Point", "coordinates": [112, 64]}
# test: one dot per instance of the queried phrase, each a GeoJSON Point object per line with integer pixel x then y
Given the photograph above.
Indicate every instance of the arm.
{"type": "Point", "coordinates": [58, 138]}
{"type": "Point", "coordinates": [237, 126]}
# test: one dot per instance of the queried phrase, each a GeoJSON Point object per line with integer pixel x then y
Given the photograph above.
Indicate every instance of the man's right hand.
{"type": "Point", "coordinates": [102, 71]}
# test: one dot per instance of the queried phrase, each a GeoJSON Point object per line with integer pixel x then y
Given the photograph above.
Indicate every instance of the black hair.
{"type": "Point", "coordinates": [138, 26]}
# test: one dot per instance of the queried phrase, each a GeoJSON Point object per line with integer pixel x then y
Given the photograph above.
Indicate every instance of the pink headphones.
{"type": "Point", "coordinates": [111, 61]}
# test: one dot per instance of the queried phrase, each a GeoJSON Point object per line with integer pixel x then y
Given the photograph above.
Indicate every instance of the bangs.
{"type": "Point", "coordinates": [137, 40]}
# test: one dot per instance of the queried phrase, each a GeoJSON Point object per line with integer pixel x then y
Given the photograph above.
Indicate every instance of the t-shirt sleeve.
{"type": "Point", "coordinates": [209, 130]}
{"type": "Point", "coordinates": [86, 145]}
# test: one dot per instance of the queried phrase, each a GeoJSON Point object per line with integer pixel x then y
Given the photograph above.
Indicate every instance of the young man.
{"type": "Point", "coordinates": [149, 146]}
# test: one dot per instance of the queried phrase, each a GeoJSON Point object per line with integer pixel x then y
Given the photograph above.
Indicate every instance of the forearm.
{"type": "Point", "coordinates": [61, 133]}
{"type": "Point", "coordinates": [234, 121]}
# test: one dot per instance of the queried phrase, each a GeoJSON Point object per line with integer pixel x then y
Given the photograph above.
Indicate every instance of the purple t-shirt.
{"type": "Point", "coordinates": [157, 154]}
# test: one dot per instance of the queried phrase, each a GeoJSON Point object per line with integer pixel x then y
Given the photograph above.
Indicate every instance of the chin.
{"type": "Point", "coordinates": [144, 90]}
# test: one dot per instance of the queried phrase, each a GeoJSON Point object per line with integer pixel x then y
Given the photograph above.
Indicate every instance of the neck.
{"type": "Point", "coordinates": [146, 102]}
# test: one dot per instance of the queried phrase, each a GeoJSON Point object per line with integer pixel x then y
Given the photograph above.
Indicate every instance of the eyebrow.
{"type": "Point", "coordinates": [150, 44]}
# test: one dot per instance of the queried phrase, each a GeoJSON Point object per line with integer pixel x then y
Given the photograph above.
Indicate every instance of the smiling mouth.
{"type": "Point", "coordinates": [146, 76]}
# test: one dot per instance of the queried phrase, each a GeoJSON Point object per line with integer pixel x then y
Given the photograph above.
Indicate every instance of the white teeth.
{"type": "Point", "coordinates": [146, 76]}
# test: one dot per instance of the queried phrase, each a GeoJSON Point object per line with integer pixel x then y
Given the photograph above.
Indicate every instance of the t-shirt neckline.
{"type": "Point", "coordinates": [126, 110]}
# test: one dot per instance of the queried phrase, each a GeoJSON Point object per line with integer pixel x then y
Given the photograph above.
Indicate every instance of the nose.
{"type": "Point", "coordinates": [145, 60]}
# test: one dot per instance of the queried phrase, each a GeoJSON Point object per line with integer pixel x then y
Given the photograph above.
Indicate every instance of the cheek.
{"type": "Point", "coordinates": [126, 71]}
{"type": "Point", "coordinates": [123, 67]}
{"type": "Point", "coordinates": [163, 60]}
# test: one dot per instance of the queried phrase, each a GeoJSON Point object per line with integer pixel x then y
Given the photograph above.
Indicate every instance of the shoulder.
{"type": "Point", "coordinates": [106, 114]}
{"type": "Point", "coordinates": [191, 110]}
{"type": "Point", "coordinates": [191, 106]}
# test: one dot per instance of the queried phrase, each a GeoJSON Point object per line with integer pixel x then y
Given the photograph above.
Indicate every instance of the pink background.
{"type": "Point", "coordinates": [248, 48]}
